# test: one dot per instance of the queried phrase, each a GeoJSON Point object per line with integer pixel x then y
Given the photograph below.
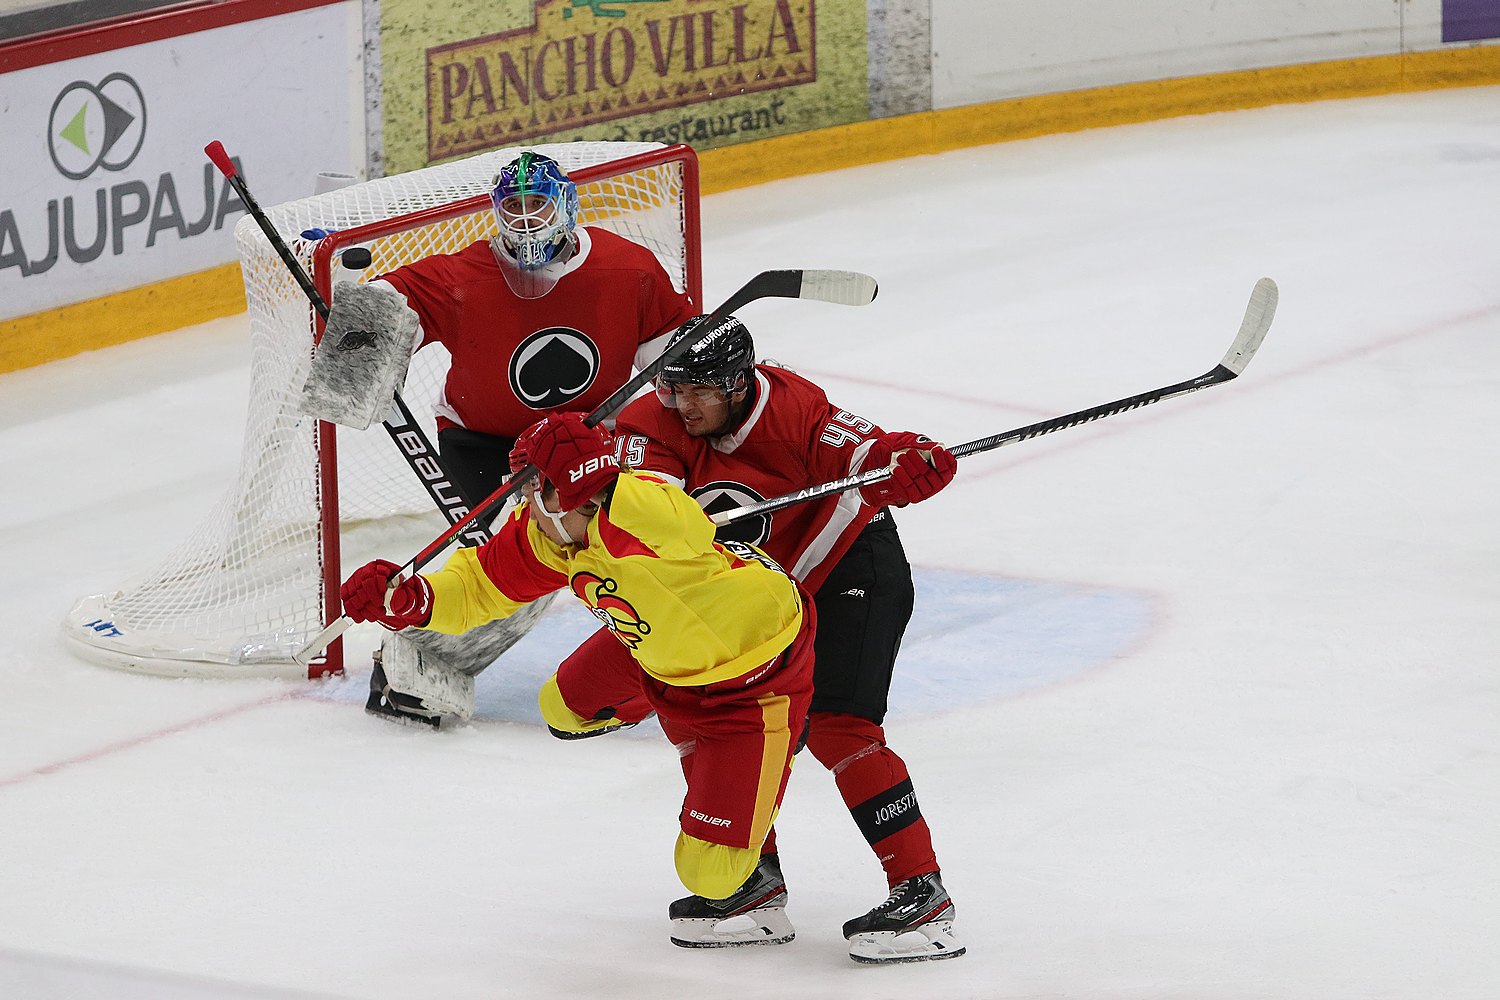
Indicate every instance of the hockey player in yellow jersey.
{"type": "Point", "coordinates": [713, 637]}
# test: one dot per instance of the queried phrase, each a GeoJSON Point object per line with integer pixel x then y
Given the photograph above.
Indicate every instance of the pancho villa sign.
{"type": "Point", "coordinates": [587, 62]}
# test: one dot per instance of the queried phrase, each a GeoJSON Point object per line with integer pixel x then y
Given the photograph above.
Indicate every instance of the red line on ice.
{"type": "Point", "coordinates": [144, 738]}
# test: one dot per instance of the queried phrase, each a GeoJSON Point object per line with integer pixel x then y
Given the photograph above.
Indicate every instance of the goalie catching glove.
{"type": "Point", "coordinates": [362, 359]}
{"type": "Point", "coordinates": [921, 467]}
{"type": "Point", "coordinates": [364, 594]}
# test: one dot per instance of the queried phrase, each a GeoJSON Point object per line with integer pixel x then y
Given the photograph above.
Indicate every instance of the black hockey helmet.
{"type": "Point", "coordinates": [725, 357]}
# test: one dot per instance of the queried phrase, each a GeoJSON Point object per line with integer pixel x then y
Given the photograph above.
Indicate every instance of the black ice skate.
{"type": "Point", "coordinates": [754, 914]}
{"type": "Point", "coordinates": [915, 924]}
{"type": "Point", "coordinates": [391, 704]}
{"type": "Point", "coordinates": [569, 734]}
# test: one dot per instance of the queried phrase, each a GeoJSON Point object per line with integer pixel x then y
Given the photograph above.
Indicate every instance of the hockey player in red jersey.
{"type": "Point", "coordinates": [734, 432]}
{"type": "Point", "coordinates": [712, 636]}
{"type": "Point", "coordinates": [546, 315]}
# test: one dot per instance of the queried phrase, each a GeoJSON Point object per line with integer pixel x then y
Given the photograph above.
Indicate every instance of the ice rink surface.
{"type": "Point", "coordinates": [1200, 701]}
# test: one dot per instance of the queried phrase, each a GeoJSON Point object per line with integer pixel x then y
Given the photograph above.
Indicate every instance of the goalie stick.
{"type": "Point", "coordinates": [1258, 316]}
{"type": "Point", "coordinates": [848, 288]}
{"type": "Point", "coordinates": [410, 440]}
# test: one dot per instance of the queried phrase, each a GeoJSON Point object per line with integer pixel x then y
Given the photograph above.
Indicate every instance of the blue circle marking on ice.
{"type": "Point", "coordinates": [976, 637]}
{"type": "Point", "coordinates": [973, 638]}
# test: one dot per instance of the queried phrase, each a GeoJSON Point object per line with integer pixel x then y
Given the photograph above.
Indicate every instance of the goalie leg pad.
{"type": "Point", "coordinates": [420, 683]}
{"type": "Point", "coordinates": [474, 650]}
{"type": "Point", "coordinates": [362, 359]}
{"type": "Point", "coordinates": [424, 676]}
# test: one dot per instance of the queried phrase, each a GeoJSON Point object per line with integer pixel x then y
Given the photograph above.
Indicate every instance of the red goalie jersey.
{"type": "Point", "coordinates": [515, 358]}
{"type": "Point", "coordinates": [792, 438]}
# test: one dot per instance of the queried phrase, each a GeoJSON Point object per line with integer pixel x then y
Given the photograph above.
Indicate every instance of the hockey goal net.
{"type": "Point", "coordinates": [259, 576]}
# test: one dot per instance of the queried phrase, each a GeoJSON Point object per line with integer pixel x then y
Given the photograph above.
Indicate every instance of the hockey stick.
{"type": "Point", "coordinates": [410, 440]}
{"type": "Point", "coordinates": [849, 288]}
{"type": "Point", "coordinates": [1258, 316]}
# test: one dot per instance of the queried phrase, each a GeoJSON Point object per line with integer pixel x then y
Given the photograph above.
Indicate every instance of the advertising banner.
{"type": "Point", "coordinates": [106, 186]}
{"type": "Point", "coordinates": [471, 76]}
{"type": "Point", "coordinates": [1470, 20]}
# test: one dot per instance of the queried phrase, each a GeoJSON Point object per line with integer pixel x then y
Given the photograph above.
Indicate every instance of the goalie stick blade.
{"type": "Point", "coordinates": [1258, 316]}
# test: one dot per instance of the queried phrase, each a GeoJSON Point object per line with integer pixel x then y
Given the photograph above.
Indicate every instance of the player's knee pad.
{"type": "Point", "coordinates": [835, 738]}
{"type": "Point", "coordinates": [713, 871]}
{"type": "Point", "coordinates": [562, 720]}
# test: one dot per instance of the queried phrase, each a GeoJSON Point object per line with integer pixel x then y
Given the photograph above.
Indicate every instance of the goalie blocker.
{"type": "Point", "coordinates": [362, 358]}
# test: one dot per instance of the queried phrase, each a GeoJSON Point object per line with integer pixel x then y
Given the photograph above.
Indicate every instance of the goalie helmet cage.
{"type": "Point", "coordinates": [260, 575]}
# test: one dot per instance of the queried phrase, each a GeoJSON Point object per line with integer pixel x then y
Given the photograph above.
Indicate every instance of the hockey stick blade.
{"type": "Point", "coordinates": [845, 288]}
{"type": "Point", "coordinates": [849, 288]}
{"type": "Point", "coordinates": [1253, 328]}
{"type": "Point", "coordinates": [1258, 316]}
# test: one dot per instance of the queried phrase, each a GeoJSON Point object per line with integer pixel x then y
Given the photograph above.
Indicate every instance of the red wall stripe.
{"type": "Point", "coordinates": [85, 40]}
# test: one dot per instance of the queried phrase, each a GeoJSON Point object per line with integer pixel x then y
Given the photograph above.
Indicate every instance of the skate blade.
{"type": "Point", "coordinates": [926, 943]}
{"type": "Point", "coordinates": [768, 925]}
{"type": "Point", "coordinates": [403, 718]}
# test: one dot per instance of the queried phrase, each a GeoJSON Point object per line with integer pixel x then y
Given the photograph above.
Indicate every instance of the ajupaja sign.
{"type": "Point", "coordinates": [106, 185]}
{"type": "Point", "coordinates": [94, 133]}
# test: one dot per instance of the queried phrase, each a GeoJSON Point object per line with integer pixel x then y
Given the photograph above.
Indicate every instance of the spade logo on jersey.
{"type": "Point", "coordinates": [553, 367]}
{"type": "Point", "coordinates": [617, 614]}
{"type": "Point", "coordinates": [715, 498]}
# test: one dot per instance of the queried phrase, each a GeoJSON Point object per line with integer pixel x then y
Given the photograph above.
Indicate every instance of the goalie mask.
{"type": "Point", "coordinates": [536, 206]}
{"type": "Point", "coordinates": [724, 358]}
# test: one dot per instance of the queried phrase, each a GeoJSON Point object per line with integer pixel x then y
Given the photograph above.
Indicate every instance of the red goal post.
{"type": "Point", "coordinates": [260, 576]}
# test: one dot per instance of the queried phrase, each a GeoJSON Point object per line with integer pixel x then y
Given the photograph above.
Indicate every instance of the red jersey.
{"type": "Point", "coordinates": [514, 358]}
{"type": "Point", "coordinates": [793, 437]}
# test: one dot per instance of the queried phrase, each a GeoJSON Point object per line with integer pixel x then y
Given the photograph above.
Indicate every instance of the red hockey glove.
{"type": "Point", "coordinates": [579, 461]}
{"type": "Point", "coordinates": [922, 468]}
{"type": "Point", "coordinates": [363, 595]}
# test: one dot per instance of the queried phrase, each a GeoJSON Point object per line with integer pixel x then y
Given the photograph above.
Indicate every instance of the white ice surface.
{"type": "Point", "coordinates": [1201, 701]}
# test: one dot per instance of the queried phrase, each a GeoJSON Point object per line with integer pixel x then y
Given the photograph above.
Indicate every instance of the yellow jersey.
{"type": "Point", "coordinates": [692, 610]}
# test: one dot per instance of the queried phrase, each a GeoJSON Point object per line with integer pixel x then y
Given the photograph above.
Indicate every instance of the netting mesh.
{"type": "Point", "coordinates": [247, 586]}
